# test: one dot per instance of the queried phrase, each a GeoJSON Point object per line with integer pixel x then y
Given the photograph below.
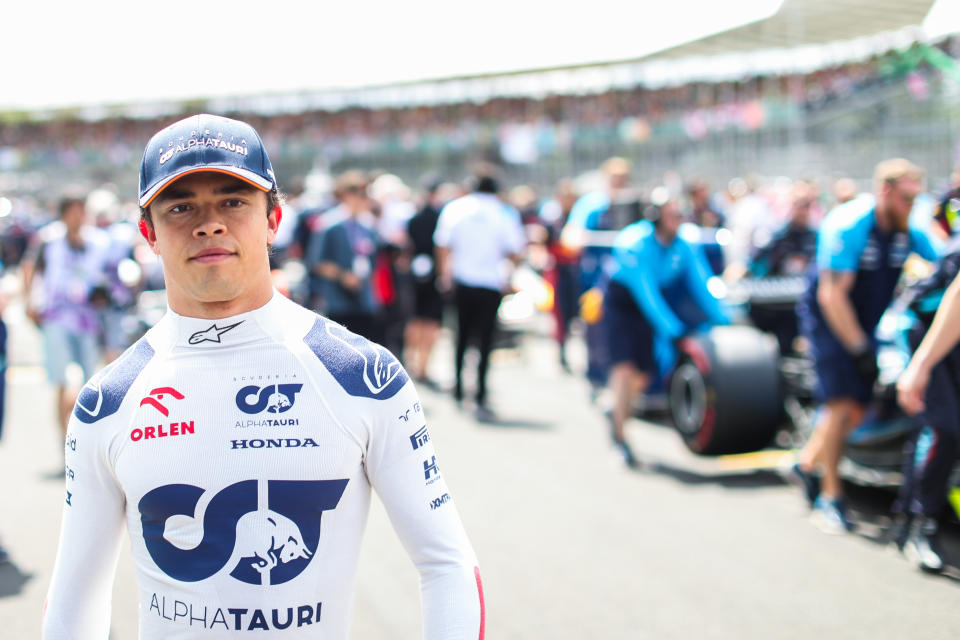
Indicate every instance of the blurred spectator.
{"type": "Point", "coordinates": [475, 235]}
{"type": "Point", "coordinates": [789, 251]}
{"type": "Point", "coordinates": [704, 211]}
{"type": "Point", "coordinates": [563, 269]}
{"type": "Point", "coordinates": [424, 327]}
{"type": "Point", "coordinates": [392, 280]}
{"type": "Point", "coordinates": [844, 190]}
{"type": "Point", "coordinates": [749, 214]}
{"type": "Point", "coordinates": [62, 269]}
{"type": "Point", "coordinates": [342, 256]}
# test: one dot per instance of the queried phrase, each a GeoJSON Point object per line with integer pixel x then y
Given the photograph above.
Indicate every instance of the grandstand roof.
{"type": "Point", "coordinates": [800, 36]}
{"type": "Point", "coordinates": [809, 22]}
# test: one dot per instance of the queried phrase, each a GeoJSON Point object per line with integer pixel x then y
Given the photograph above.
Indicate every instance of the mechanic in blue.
{"type": "Point", "coordinates": [237, 442]}
{"type": "Point", "coordinates": [646, 306]}
{"type": "Point", "coordinates": [611, 208]}
{"type": "Point", "coordinates": [861, 249]}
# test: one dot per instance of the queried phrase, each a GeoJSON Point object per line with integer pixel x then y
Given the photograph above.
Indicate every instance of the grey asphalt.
{"type": "Point", "coordinates": [571, 544]}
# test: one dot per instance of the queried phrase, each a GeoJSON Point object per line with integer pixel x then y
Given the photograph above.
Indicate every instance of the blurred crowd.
{"type": "Point", "coordinates": [521, 128]}
{"type": "Point", "coordinates": [360, 248]}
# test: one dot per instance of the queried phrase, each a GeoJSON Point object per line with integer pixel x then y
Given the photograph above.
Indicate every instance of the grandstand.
{"type": "Point", "coordinates": [820, 88]}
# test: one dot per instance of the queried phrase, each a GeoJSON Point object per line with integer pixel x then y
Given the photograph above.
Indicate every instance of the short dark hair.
{"type": "Point", "coordinates": [69, 201]}
{"type": "Point", "coordinates": [484, 179]}
{"type": "Point", "coordinates": [274, 200]}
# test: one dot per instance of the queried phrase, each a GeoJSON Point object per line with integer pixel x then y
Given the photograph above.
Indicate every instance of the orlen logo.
{"type": "Point", "coordinates": [261, 540]}
{"type": "Point", "coordinates": [275, 398]}
{"type": "Point", "coordinates": [155, 396]}
{"type": "Point", "coordinates": [163, 431]}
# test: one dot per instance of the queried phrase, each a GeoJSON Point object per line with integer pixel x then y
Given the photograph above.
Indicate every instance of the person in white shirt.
{"type": "Point", "coordinates": [238, 440]}
{"type": "Point", "coordinates": [479, 239]}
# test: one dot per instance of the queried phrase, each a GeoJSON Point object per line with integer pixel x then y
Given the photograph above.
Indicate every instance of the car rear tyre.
{"type": "Point", "coordinates": [725, 393]}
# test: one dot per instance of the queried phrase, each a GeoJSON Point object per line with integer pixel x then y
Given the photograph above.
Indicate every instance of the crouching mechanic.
{"type": "Point", "coordinates": [929, 388]}
{"type": "Point", "coordinates": [238, 440]}
{"type": "Point", "coordinates": [652, 264]}
{"type": "Point", "coordinates": [861, 249]}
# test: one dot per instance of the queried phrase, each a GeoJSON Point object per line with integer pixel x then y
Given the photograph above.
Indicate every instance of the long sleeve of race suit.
{"type": "Point", "coordinates": [403, 469]}
{"type": "Point", "coordinates": [241, 454]}
{"type": "Point", "coordinates": [78, 602]}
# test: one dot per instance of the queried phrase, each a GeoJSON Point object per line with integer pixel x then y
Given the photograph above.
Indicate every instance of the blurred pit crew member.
{"type": "Point", "coordinates": [652, 264]}
{"type": "Point", "coordinates": [929, 389]}
{"type": "Point", "coordinates": [238, 440]}
{"type": "Point", "coordinates": [861, 250]}
{"type": "Point", "coordinates": [610, 208]}
{"type": "Point", "coordinates": [789, 251]}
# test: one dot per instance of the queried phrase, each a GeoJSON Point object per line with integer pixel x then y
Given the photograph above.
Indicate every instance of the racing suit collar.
{"type": "Point", "coordinates": [205, 333]}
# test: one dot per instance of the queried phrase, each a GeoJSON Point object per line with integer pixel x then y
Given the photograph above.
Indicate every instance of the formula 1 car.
{"type": "Point", "coordinates": [733, 390]}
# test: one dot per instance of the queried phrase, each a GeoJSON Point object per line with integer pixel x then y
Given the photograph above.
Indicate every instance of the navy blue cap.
{"type": "Point", "coordinates": [204, 143]}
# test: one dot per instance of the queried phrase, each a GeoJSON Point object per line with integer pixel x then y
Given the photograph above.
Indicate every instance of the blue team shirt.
{"type": "Point", "coordinates": [587, 213]}
{"type": "Point", "coordinates": [588, 210]}
{"type": "Point", "coordinates": [849, 241]}
{"type": "Point", "coordinates": [648, 269]}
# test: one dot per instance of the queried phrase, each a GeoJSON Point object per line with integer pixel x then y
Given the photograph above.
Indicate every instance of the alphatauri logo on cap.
{"type": "Point", "coordinates": [206, 141]}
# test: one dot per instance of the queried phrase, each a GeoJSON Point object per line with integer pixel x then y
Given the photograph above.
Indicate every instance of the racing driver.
{"type": "Point", "coordinates": [238, 440]}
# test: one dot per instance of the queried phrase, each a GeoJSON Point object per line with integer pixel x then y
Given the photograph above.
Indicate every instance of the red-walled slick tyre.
{"type": "Point", "coordinates": [725, 393]}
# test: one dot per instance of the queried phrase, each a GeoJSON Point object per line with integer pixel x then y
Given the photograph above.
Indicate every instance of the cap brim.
{"type": "Point", "coordinates": [250, 177]}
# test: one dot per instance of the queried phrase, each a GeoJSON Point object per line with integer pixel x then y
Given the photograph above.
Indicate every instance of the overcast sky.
{"type": "Point", "coordinates": [121, 51]}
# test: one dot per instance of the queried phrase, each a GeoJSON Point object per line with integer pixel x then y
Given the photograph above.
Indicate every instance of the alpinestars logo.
{"type": "Point", "coordinates": [155, 396]}
{"type": "Point", "coordinates": [212, 333]}
{"type": "Point", "coordinates": [275, 398]}
{"type": "Point", "coordinates": [263, 535]}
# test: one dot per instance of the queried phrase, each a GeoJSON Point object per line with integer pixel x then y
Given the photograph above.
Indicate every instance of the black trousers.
{"type": "Point", "coordinates": [476, 321]}
{"type": "Point", "coordinates": [934, 448]}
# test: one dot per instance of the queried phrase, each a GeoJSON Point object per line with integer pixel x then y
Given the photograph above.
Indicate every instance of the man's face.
{"type": "Point", "coordinates": [74, 216]}
{"type": "Point", "coordinates": [670, 220]}
{"type": "Point", "coordinates": [898, 199]}
{"type": "Point", "coordinates": [211, 231]}
{"type": "Point", "coordinates": [355, 200]}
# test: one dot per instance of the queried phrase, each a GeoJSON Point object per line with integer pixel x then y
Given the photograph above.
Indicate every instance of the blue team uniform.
{"type": "Point", "coordinates": [643, 309]}
{"type": "Point", "coordinates": [849, 241]}
{"type": "Point", "coordinates": [595, 211]}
